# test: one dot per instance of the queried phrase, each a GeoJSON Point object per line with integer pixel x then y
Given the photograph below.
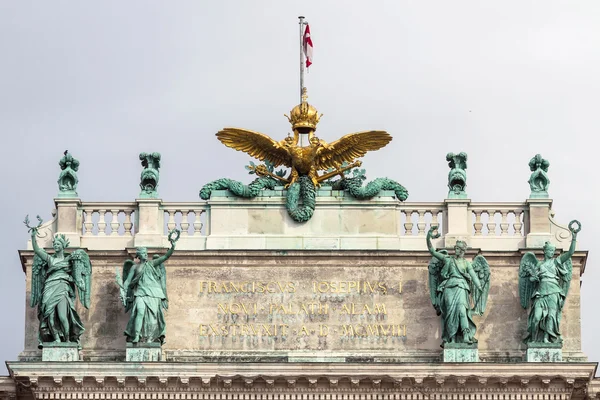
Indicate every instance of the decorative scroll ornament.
{"type": "Point", "coordinates": [457, 177]}
{"type": "Point", "coordinates": [539, 181]}
{"type": "Point", "coordinates": [149, 176]}
{"type": "Point", "coordinates": [305, 162]}
{"type": "Point", "coordinates": [67, 180]}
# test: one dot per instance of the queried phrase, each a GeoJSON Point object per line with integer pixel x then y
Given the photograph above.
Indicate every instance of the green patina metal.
{"type": "Point", "coordinates": [67, 180]}
{"type": "Point", "coordinates": [144, 294]}
{"type": "Point", "coordinates": [301, 195]}
{"type": "Point", "coordinates": [56, 279]}
{"type": "Point", "coordinates": [149, 176]}
{"type": "Point", "coordinates": [543, 288]}
{"type": "Point", "coordinates": [457, 177]}
{"type": "Point", "coordinates": [458, 289]}
{"type": "Point", "coordinates": [539, 181]}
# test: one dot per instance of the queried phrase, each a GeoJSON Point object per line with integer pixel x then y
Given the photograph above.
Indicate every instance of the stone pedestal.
{"type": "Point", "coordinates": [69, 219]}
{"type": "Point", "coordinates": [457, 222]}
{"type": "Point", "coordinates": [461, 352]}
{"type": "Point", "coordinates": [60, 352]}
{"type": "Point", "coordinates": [544, 352]}
{"type": "Point", "coordinates": [142, 352]}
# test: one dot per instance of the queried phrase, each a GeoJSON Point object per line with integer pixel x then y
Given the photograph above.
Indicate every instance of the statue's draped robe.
{"type": "Point", "coordinates": [59, 287]}
{"type": "Point", "coordinates": [148, 296]}
{"type": "Point", "coordinates": [549, 299]}
{"type": "Point", "coordinates": [453, 297]}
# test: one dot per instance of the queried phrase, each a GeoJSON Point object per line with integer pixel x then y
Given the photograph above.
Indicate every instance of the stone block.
{"type": "Point", "coordinates": [142, 352]}
{"type": "Point", "coordinates": [544, 352]}
{"type": "Point", "coordinates": [460, 352]}
{"type": "Point", "coordinates": [60, 352]}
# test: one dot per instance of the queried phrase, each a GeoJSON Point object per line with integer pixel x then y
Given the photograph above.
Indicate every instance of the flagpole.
{"type": "Point", "coordinates": [301, 56]}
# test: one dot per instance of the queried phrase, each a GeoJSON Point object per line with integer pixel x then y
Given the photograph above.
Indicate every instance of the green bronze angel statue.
{"type": "Point", "coordinates": [144, 294]}
{"type": "Point", "coordinates": [543, 288]}
{"type": "Point", "coordinates": [458, 290]}
{"type": "Point", "coordinates": [54, 280]}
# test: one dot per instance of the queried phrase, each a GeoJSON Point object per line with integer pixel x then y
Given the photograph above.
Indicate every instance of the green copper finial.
{"type": "Point", "coordinates": [539, 181]}
{"type": "Point", "coordinates": [457, 177]}
{"type": "Point", "coordinates": [67, 180]}
{"type": "Point", "coordinates": [149, 177]}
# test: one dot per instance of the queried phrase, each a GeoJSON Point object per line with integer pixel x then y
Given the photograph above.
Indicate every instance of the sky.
{"type": "Point", "coordinates": [107, 80]}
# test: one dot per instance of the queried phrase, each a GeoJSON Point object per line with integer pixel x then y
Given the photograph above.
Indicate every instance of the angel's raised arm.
{"type": "Point", "coordinates": [37, 249]}
{"type": "Point", "coordinates": [430, 247]}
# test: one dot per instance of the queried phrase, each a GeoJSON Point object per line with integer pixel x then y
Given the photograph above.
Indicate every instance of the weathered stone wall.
{"type": "Point", "coordinates": [303, 316]}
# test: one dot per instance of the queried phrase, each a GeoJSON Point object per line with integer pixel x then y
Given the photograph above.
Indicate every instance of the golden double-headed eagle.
{"type": "Point", "coordinates": [316, 156]}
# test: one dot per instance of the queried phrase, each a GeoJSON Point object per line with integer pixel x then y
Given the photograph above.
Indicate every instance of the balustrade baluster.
{"type": "Point", "coordinates": [171, 224]}
{"type": "Point", "coordinates": [504, 224]}
{"type": "Point", "coordinates": [434, 220]}
{"type": "Point", "coordinates": [197, 223]}
{"type": "Point", "coordinates": [408, 225]}
{"type": "Point", "coordinates": [518, 225]}
{"type": "Point", "coordinates": [128, 225]}
{"type": "Point", "coordinates": [491, 225]}
{"type": "Point", "coordinates": [101, 222]}
{"type": "Point", "coordinates": [89, 223]}
{"type": "Point", "coordinates": [114, 223]}
{"type": "Point", "coordinates": [421, 224]}
{"type": "Point", "coordinates": [185, 224]}
{"type": "Point", "coordinates": [478, 225]}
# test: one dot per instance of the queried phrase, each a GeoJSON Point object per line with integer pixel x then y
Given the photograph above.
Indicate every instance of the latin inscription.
{"type": "Point", "coordinates": [282, 309]}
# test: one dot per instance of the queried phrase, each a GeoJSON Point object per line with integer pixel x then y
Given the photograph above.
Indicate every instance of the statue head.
{"type": "Point", "coordinates": [60, 242]}
{"type": "Point", "coordinates": [460, 248]}
{"type": "Point", "coordinates": [549, 249]}
{"type": "Point", "coordinates": [141, 253]}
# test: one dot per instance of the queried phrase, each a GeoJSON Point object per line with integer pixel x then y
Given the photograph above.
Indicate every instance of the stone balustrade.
{"type": "Point", "coordinates": [340, 222]}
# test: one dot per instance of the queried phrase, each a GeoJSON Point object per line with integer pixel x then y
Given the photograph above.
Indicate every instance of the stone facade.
{"type": "Point", "coordinates": [261, 307]}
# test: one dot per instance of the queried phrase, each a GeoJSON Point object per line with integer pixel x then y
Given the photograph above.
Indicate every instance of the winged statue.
{"type": "Point", "coordinates": [56, 280]}
{"type": "Point", "coordinates": [543, 289]}
{"type": "Point", "coordinates": [458, 289]}
{"type": "Point", "coordinates": [144, 294]}
{"type": "Point", "coordinates": [308, 160]}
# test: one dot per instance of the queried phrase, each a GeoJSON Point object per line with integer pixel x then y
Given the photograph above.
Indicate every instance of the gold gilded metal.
{"type": "Point", "coordinates": [304, 160]}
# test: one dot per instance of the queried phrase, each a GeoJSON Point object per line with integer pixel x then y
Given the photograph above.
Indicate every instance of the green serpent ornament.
{"type": "Point", "coordinates": [304, 192]}
{"type": "Point", "coordinates": [238, 188]}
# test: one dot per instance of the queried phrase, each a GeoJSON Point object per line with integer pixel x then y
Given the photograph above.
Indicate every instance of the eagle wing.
{"type": "Point", "coordinates": [255, 144]}
{"type": "Point", "coordinates": [350, 147]}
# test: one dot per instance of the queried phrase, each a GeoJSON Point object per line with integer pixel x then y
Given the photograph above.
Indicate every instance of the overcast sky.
{"type": "Point", "coordinates": [108, 80]}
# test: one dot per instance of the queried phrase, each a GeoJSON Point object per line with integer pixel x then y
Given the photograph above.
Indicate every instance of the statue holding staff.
{"type": "Point", "coordinates": [144, 294]}
{"type": "Point", "coordinates": [543, 288]}
{"type": "Point", "coordinates": [458, 289]}
{"type": "Point", "coordinates": [55, 279]}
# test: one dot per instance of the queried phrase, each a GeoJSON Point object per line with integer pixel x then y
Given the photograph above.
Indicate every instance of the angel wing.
{"type": "Point", "coordinates": [435, 267]}
{"type": "Point", "coordinates": [255, 144]}
{"type": "Point", "coordinates": [480, 296]}
{"type": "Point", "coordinates": [38, 278]}
{"type": "Point", "coordinates": [350, 147]}
{"type": "Point", "coordinates": [127, 265]}
{"type": "Point", "coordinates": [82, 273]}
{"type": "Point", "coordinates": [527, 271]}
{"type": "Point", "coordinates": [163, 282]}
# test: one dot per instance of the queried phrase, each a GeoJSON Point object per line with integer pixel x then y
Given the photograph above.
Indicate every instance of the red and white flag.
{"type": "Point", "coordinates": [307, 46]}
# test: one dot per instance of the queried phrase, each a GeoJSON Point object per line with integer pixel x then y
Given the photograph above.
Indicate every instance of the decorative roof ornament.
{"type": "Point", "coordinates": [539, 181]}
{"type": "Point", "coordinates": [67, 180]}
{"type": "Point", "coordinates": [304, 115]}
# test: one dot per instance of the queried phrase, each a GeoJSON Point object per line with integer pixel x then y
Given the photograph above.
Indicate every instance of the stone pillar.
{"type": "Point", "coordinates": [457, 221]}
{"type": "Point", "coordinates": [69, 219]}
{"type": "Point", "coordinates": [537, 224]}
{"type": "Point", "coordinates": [149, 223]}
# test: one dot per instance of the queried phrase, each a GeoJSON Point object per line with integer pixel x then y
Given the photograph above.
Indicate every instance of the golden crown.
{"type": "Point", "coordinates": [304, 115]}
